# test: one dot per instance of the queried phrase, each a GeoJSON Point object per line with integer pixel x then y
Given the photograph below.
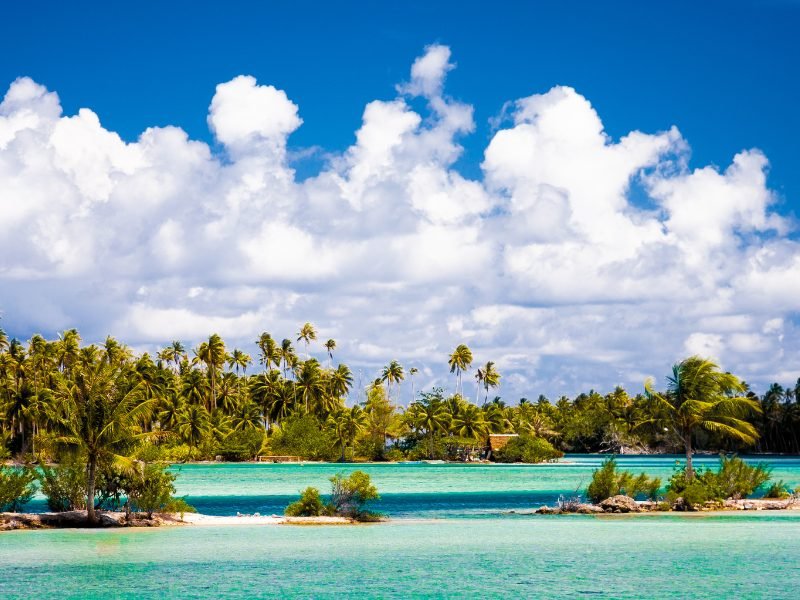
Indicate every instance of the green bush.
{"type": "Point", "coordinates": [395, 455]}
{"type": "Point", "coordinates": [737, 479]}
{"type": "Point", "coordinates": [778, 490]}
{"type": "Point", "coordinates": [304, 436]}
{"type": "Point", "coordinates": [64, 485]}
{"type": "Point", "coordinates": [734, 479]}
{"type": "Point", "coordinates": [152, 489]}
{"type": "Point", "coordinates": [350, 494]}
{"type": "Point", "coordinates": [607, 481]}
{"type": "Point", "coordinates": [309, 505]}
{"type": "Point", "coordinates": [16, 487]}
{"type": "Point", "coordinates": [242, 445]}
{"type": "Point", "coordinates": [527, 449]}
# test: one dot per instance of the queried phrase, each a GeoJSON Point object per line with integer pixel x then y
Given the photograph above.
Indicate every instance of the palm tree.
{"type": "Point", "coordinates": [340, 381]}
{"type": "Point", "coordinates": [460, 360]}
{"type": "Point", "coordinates": [270, 353]}
{"type": "Point", "coordinates": [68, 347]}
{"type": "Point", "coordinates": [490, 378]}
{"type": "Point", "coordinates": [330, 346]}
{"type": "Point", "coordinates": [194, 424]}
{"type": "Point", "coordinates": [239, 360]}
{"type": "Point", "coordinates": [411, 372]}
{"type": "Point", "coordinates": [347, 424]}
{"type": "Point", "coordinates": [287, 355]}
{"type": "Point", "coordinates": [98, 417]}
{"type": "Point", "coordinates": [310, 385]}
{"type": "Point", "coordinates": [307, 334]}
{"type": "Point", "coordinates": [429, 419]}
{"type": "Point", "coordinates": [246, 415]}
{"type": "Point", "coordinates": [176, 353]}
{"type": "Point", "coordinates": [471, 424]}
{"type": "Point", "coordinates": [700, 396]}
{"type": "Point", "coordinates": [212, 354]}
{"type": "Point", "coordinates": [392, 373]}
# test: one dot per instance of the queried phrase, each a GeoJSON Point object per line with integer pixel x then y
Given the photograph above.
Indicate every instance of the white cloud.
{"type": "Point", "coordinates": [545, 264]}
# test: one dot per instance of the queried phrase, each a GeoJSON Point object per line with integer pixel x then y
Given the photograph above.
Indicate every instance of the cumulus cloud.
{"type": "Point", "coordinates": [545, 264]}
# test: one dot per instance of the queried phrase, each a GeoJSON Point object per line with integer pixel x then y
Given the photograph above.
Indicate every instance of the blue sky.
{"type": "Point", "coordinates": [724, 72]}
{"type": "Point", "coordinates": [579, 241]}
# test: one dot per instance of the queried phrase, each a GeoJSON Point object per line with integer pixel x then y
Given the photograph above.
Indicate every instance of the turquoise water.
{"type": "Point", "coordinates": [653, 556]}
{"type": "Point", "coordinates": [422, 490]}
{"type": "Point", "coordinates": [451, 535]}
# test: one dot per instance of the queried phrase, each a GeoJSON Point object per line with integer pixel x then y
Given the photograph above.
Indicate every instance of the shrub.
{"type": "Point", "coordinates": [527, 449]}
{"type": "Point", "coordinates": [779, 490]}
{"type": "Point", "coordinates": [607, 481]}
{"type": "Point", "coordinates": [152, 489]}
{"type": "Point", "coordinates": [309, 505]}
{"type": "Point", "coordinates": [395, 455]}
{"type": "Point", "coordinates": [16, 487]}
{"type": "Point", "coordinates": [242, 445]}
{"type": "Point", "coordinates": [737, 479]}
{"type": "Point", "coordinates": [304, 436]}
{"type": "Point", "coordinates": [350, 494]}
{"type": "Point", "coordinates": [64, 485]}
{"type": "Point", "coordinates": [734, 479]}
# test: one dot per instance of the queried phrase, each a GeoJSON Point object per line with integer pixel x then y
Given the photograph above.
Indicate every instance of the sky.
{"type": "Point", "coordinates": [582, 192]}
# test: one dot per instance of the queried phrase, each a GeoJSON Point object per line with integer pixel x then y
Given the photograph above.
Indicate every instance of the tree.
{"type": "Point", "coordinates": [429, 418]}
{"type": "Point", "coordinates": [99, 415]}
{"type": "Point", "coordinates": [347, 424]}
{"type": "Point", "coordinates": [270, 353]}
{"type": "Point", "coordinates": [310, 385]}
{"type": "Point", "coordinates": [489, 377]}
{"type": "Point", "coordinates": [460, 360]}
{"type": "Point", "coordinates": [411, 372]}
{"type": "Point", "coordinates": [330, 346]}
{"type": "Point", "coordinates": [700, 396]}
{"type": "Point", "coordinates": [287, 355]}
{"type": "Point", "coordinates": [340, 381]}
{"type": "Point", "coordinates": [194, 424]}
{"type": "Point", "coordinates": [212, 354]}
{"type": "Point", "coordinates": [392, 373]}
{"type": "Point", "coordinates": [307, 334]}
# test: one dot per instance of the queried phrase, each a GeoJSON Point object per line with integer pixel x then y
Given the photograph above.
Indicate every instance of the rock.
{"type": "Point", "coordinates": [774, 505]}
{"type": "Point", "coordinates": [548, 510]}
{"type": "Point", "coordinates": [619, 504]}
{"type": "Point", "coordinates": [589, 509]}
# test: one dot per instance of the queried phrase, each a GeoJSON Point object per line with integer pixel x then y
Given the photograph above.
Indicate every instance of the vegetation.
{"type": "Point", "coordinates": [527, 449]}
{"type": "Point", "coordinates": [699, 396]}
{"type": "Point", "coordinates": [734, 479]}
{"type": "Point", "coordinates": [108, 408]}
{"type": "Point", "coordinates": [608, 481]}
{"type": "Point", "coordinates": [309, 505]}
{"type": "Point", "coordinates": [349, 497]}
{"type": "Point", "coordinates": [16, 487]}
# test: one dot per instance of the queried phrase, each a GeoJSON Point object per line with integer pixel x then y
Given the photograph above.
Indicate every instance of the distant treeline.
{"type": "Point", "coordinates": [214, 402]}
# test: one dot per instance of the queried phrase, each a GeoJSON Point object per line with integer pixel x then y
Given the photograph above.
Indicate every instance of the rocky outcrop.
{"type": "Point", "coordinates": [619, 504]}
{"type": "Point", "coordinates": [77, 519]}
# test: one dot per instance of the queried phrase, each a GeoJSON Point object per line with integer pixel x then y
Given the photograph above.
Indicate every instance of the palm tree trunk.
{"type": "Point", "coordinates": [688, 443]}
{"type": "Point", "coordinates": [91, 474]}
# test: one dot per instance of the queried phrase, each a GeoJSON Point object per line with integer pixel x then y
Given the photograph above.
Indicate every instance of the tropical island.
{"type": "Point", "coordinates": [94, 427]}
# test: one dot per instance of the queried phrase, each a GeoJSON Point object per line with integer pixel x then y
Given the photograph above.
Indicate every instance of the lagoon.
{"type": "Point", "coordinates": [422, 490]}
{"type": "Point", "coordinates": [452, 534]}
{"type": "Point", "coordinates": [653, 556]}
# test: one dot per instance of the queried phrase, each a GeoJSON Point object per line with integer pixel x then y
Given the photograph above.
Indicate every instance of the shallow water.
{"type": "Point", "coordinates": [423, 490]}
{"type": "Point", "coordinates": [451, 535]}
{"type": "Point", "coordinates": [653, 556]}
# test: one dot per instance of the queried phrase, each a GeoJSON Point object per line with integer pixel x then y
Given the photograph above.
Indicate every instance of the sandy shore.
{"type": "Point", "coordinates": [198, 519]}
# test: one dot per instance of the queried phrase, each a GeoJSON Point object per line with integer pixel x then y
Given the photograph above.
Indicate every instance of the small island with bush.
{"type": "Point", "coordinates": [348, 499]}
{"type": "Point", "coordinates": [728, 488]}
